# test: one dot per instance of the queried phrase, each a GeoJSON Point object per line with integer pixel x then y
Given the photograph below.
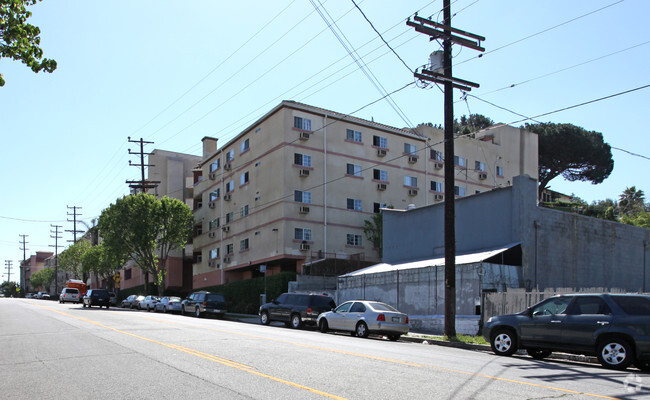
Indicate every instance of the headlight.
{"type": "Point", "coordinates": [489, 320]}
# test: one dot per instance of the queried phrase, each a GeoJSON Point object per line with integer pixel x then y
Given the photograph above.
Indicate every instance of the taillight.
{"type": "Point", "coordinates": [407, 319]}
{"type": "Point", "coordinates": [381, 317]}
{"type": "Point", "coordinates": [308, 310]}
{"type": "Point", "coordinates": [205, 303]}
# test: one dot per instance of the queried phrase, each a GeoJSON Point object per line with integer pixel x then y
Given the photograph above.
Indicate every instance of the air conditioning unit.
{"type": "Point", "coordinates": [438, 165]}
{"type": "Point", "coordinates": [304, 246]}
{"type": "Point", "coordinates": [304, 210]}
{"type": "Point", "coordinates": [413, 159]}
{"type": "Point", "coordinates": [381, 152]}
{"type": "Point", "coordinates": [226, 259]}
{"type": "Point", "coordinates": [482, 176]}
{"type": "Point", "coordinates": [213, 175]}
{"type": "Point", "coordinates": [227, 167]}
{"type": "Point", "coordinates": [381, 186]}
{"type": "Point", "coordinates": [303, 135]}
{"type": "Point", "coordinates": [212, 204]}
{"type": "Point", "coordinates": [226, 228]}
{"type": "Point", "coordinates": [413, 192]}
{"type": "Point", "coordinates": [303, 172]}
{"type": "Point", "coordinates": [227, 197]}
{"type": "Point", "coordinates": [438, 197]}
{"type": "Point", "coordinates": [212, 235]}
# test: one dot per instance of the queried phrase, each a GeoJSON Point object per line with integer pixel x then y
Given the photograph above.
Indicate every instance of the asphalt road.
{"type": "Point", "coordinates": [63, 351]}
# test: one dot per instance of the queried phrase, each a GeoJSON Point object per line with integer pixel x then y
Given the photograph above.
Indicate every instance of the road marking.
{"type": "Point", "coordinates": [222, 361]}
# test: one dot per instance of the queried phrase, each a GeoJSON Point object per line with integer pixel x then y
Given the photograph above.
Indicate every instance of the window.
{"type": "Point", "coordinates": [214, 195]}
{"type": "Point", "coordinates": [215, 165]}
{"type": "Point", "coordinates": [244, 211]}
{"type": "Point", "coordinates": [589, 305]}
{"type": "Point", "coordinates": [436, 155]}
{"type": "Point", "coordinates": [410, 149]}
{"type": "Point", "coordinates": [214, 224]}
{"type": "Point", "coordinates": [302, 234]}
{"type": "Point", "coordinates": [376, 207]}
{"type": "Point", "coordinates": [302, 123]}
{"type": "Point", "coordinates": [410, 181]}
{"type": "Point", "coordinates": [245, 145]}
{"type": "Point", "coordinates": [353, 240]}
{"type": "Point", "coordinates": [352, 135]}
{"type": "Point", "coordinates": [243, 245]}
{"type": "Point", "coordinates": [436, 186]}
{"type": "Point", "coordinates": [499, 170]}
{"type": "Point", "coordinates": [459, 191]}
{"type": "Point", "coordinates": [214, 253]}
{"type": "Point", "coordinates": [302, 159]}
{"type": "Point", "coordinates": [230, 217]}
{"type": "Point", "coordinates": [127, 274]}
{"type": "Point", "coordinates": [380, 141]}
{"type": "Point", "coordinates": [302, 197]}
{"type": "Point", "coordinates": [243, 179]}
{"type": "Point", "coordinates": [353, 169]}
{"type": "Point", "coordinates": [230, 155]}
{"type": "Point", "coordinates": [479, 166]}
{"type": "Point", "coordinates": [230, 186]}
{"type": "Point", "coordinates": [460, 161]}
{"type": "Point", "coordinates": [354, 204]}
{"type": "Point", "coordinates": [229, 248]}
{"type": "Point", "coordinates": [380, 175]}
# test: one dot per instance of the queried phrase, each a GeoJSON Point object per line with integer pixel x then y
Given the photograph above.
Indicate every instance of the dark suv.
{"type": "Point", "coordinates": [97, 297]}
{"type": "Point", "coordinates": [295, 309]}
{"type": "Point", "coordinates": [199, 303]}
{"type": "Point", "coordinates": [612, 327]}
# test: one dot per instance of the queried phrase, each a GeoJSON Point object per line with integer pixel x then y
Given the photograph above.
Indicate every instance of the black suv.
{"type": "Point", "coordinates": [612, 327]}
{"type": "Point", "coordinates": [296, 309]}
{"type": "Point", "coordinates": [199, 303]}
{"type": "Point", "coordinates": [97, 297]}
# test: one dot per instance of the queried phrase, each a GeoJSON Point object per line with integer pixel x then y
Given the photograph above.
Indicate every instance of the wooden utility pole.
{"type": "Point", "coordinates": [56, 246]}
{"type": "Point", "coordinates": [74, 223]}
{"type": "Point", "coordinates": [143, 184]}
{"type": "Point", "coordinates": [448, 35]}
{"type": "Point", "coordinates": [8, 264]}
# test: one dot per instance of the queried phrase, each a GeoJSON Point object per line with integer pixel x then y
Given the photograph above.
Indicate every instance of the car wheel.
{"type": "Point", "coordinates": [183, 311]}
{"type": "Point", "coordinates": [538, 354]}
{"type": "Point", "coordinates": [83, 305]}
{"type": "Point", "coordinates": [296, 322]}
{"type": "Point", "coordinates": [361, 330]}
{"type": "Point", "coordinates": [615, 353]}
{"type": "Point", "coordinates": [107, 307]}
{"type": "Point", "coordinates": [264, 318]}
{"type": "Point", "coordinates": [323, 325]}
{"type": "Point", "coordinates": [504, 342]}
{"type": "Point", "coordinates": [148, 308]}
{"type": "Point", "coordinates": [394, 338]}
{"type": "Point", "coordinates": [197, 312]}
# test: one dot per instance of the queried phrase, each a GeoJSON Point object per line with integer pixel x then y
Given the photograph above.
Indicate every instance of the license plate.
{"type": "Point", "coordinates": [396, 319]}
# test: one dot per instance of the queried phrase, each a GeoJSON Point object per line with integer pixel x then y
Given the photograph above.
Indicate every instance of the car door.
{"type": "Point", "coordinates": [337, 320]}
{"type": "Point", "coordinates": [275, 307]}
{"type": "Point", "coordinates": [542, 325]}
{"type": "Point", "coordinates": [355, 314]}
{"type": "Point", "coordinates": [586, 318]}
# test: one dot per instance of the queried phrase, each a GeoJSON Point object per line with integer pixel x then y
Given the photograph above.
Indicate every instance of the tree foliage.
{"type": "Point", "coordinates": [473, 123]}
{"type": "Point", "coordinates": [373, 229]}
{"type": "Point", "coordinates": [71, 258]}
{"type": "Point", "coordinates": [146, 229]}
{"type": "Point", "coordinates": [42, 278]}
{"type": "Point", "coordinates": [9, 288]}
{"type": "Point", "coordinates": [631, 201]}
{"type": "Point", "coordinates": [20, 40]}
{"type": "Point", "coordinates": [103, 262]}
{"type": "Point", "coordinates": [571, 152]}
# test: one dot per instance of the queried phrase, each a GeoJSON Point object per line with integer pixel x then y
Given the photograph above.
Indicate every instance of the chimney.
{"type": "Point", "coordinates": [209, 146]}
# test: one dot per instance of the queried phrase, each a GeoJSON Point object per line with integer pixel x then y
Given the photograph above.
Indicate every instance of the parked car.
{"type": "Point", "coordinates": [295, 309]}
{"type": "Point", "coordinates": [168, 304]}
{"type": "Point", "coordinates": [132, 301]}
{"type": "Point", "coordinates": [30, 296]}
{"type": "Point", "coordinates": [148, 303]}
{"type": "Point", "coordinates": [43, 295]}
{"type": "Point", "coordinates": [612, 327]}
{"type": "Point", "coordinates": [363, 317]}
{"type": "Point", "coordinates": [199, 303]}
{"type": "Point", "coordinates": [97, 297]}
{"type": "Point", "coordinates": [69, 294]}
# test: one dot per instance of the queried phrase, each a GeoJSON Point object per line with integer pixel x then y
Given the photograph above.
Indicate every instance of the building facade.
{"type": "Point", "coordinates": [292, 191]}
{"type": "Point", "coordinates": [33, 264]}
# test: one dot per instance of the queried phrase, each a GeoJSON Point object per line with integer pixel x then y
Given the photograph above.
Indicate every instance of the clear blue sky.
{"type": "Point", "coordinates": [173, 72]}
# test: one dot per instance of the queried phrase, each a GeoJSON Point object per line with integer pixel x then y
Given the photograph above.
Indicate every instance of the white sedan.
{"type": "Point", "coordinates": [362, 317]}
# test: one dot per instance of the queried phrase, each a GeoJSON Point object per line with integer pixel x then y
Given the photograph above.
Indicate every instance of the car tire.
{"type": "Point", "coordinates": [394, 338]}
{"type": "Point", "coordinates": [538, 354]}
{"type": "Point", "coordinates": [183, 310]}
{"type": "Point", "coordinates": [164, 310]}
{"type": "Point", "coordinates": [83, 305]}
{"type": "Point", "coordinates": [148, 308]}
{"type": "Point", "coordinates": [296, 321]}
{"type": "Point", "coordinates": [361, 330]}
{"type": "Point", "coordinates": [264, 318]}
{"type": "Point", "coordinates": [323, 325]}
{"type": "Point", "coordinates": [504, 342]}
{"type": "Point", "coordinates": [197, 312]}
{"type": "Point", "coordinates": [107, 307]}
{"type": "Point", "coordinates": [615, 353]}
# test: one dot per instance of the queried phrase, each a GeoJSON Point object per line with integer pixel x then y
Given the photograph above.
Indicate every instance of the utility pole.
{"type": "Point", "coordinates": [23, 272]}
{"type": "Point", "coordinates": [8, 264]}
{"type": "Point", "coordinates": [448, 35]}
{"type": "Point", "coordinates": [74, 223]}
{"type": "Point", "coordinates": [56, 246]}
{"type": "Point", "coordinates": [143, 184]}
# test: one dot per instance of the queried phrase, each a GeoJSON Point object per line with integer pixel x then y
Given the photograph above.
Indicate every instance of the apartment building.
{"type": "Point", "coordinates": [294, 188]}
{"type": "Point", "coordinates": [31, 265]}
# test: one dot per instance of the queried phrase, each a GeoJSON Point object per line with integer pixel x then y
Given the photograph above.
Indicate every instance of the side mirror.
{"type": "Point", "coordinates": [538, 313]}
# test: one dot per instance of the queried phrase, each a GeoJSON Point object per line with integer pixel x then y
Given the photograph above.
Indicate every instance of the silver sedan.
{"type": "Point", "coordinates": [168, 304]}
{"type": "Point", "coordinates": [362, 317]}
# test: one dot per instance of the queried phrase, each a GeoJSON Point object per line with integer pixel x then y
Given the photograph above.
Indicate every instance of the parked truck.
{"type": "Point", "coordinates": [77, 284]}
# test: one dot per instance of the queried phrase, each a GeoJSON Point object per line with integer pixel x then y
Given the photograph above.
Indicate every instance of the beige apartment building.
{"type": "Point", "coordinates": [293, 190]}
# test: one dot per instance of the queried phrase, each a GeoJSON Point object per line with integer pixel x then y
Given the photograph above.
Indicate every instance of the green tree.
{"type": "Point", "coordinates": [641, 218]}
{"type": "Point", "coordinates": [373, 229]}
{"type": "Point", "coordinates": [103, 262]}
{"type": "Point", "coordinates": [631, 201]}
{"type": "Point", "coordinates": [603, 209]}
{"type": "Point", "coordinates": [20, 40]}
{"type": "Point", "coordinates": [473, 123]}
{"type": "Point", "coordinates": [146, 229]}
{"type": "Point", "coordinates": [9, 288]}
{"type": "Point", "coordinates": [571, 152]}
{"type": "Point", "coordinates": [43, 278]}
{"type": "Point", "coordinates": [71, 259]}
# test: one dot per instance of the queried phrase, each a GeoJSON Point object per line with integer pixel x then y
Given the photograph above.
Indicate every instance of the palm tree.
{"type": "Point", "coordinates": [631, 201]}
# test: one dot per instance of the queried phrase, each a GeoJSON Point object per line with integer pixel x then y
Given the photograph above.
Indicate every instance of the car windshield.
{"type": "Point", "coordinates": [381, 307]}
{"type": "Point", "coordinates": [174, 299]}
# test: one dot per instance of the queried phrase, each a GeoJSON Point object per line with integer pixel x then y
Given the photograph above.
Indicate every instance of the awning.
{"type": "Point", "coordinates": [433, 262]}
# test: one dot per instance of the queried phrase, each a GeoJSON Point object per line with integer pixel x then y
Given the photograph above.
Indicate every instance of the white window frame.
{"type": "Point", "coordinates": [244, 244]}
{"type": "Point", "coordinates": [480, 166]}
{"type": "Point", "coordinates": [302, 159]}
{"type": "Point", "coordinates": [356, 169]}
{"type": "Point", "coordinates": [214, 253]}
{"type": "Point", "coordinates": [243, 179]}
{"type": "Point", "coordinates": [460, 161]}
{"type": "Point", "coordinates": [302, 234]}
{"type": "Point", "coordinates": [214, 195]}
{"type": "Point", "coordinates": [436, 155]}
{"type": "Point", "coordinates": [304, 197]}
{"type": "Point", "coordinates": [302, 123]}
{"type": "Point", "coordinates": [380, 141]}
{"type": "Point", "coordinates": [245, 146]}
{"type": "Point", "coordinates": [353, 239]}
{"type": "Point", "coordinates": [499, 170]}
{"type": "Point", "coordinates": [243, 211]}
{"type": "Point", "coordinates": [383, 175]}
{"type": "Point", "coordinates": [411, 181]}
{"type": "Point", "coordinates": [230, 155]}
{"type": "Point", "coordinates": [437, 186]}
{"type": "Point", "coordinates": [216, 164]}
{"type": "Point", "coordinates": [214, 224]}
{"type": "Point", "coordinates": [353, 135]}
{"type": "Point", "coordinates": [410, 149]}
{"type": "Point", "coordinates": [459, 191]}
{"type": "Point", "coordinates": [230, 186]}
{"type": "Point", "coordinates": [355, 203]}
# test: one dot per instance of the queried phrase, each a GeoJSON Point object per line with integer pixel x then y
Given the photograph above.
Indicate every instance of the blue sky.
{"type": "Point", "coordinates": [173, 72]}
